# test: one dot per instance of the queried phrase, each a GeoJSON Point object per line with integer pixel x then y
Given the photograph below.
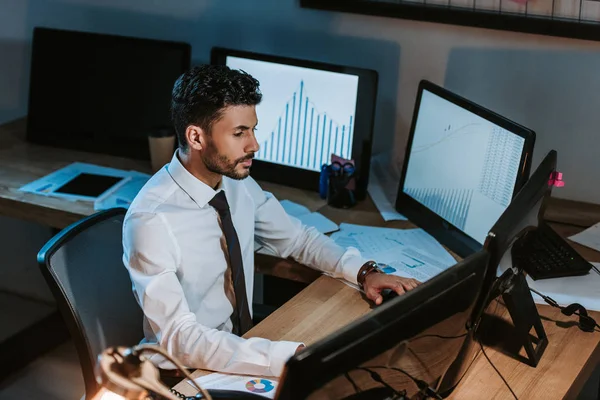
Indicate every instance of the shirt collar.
{"type": "Point", "coordinates": [199, 191]}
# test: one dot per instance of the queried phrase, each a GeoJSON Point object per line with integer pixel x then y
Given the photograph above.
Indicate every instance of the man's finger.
{"type": "Point", "coordinates": [374, 295]}
{"type": "Point", "coordinates": [399, 289]}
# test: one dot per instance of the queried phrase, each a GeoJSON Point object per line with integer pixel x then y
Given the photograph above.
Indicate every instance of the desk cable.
{"type": "Point", "coordinates": [586, 323]}
{"type": "Point", "coordinates": [423, 386]}
{"type": "Point", "coordinates": [498, 372]}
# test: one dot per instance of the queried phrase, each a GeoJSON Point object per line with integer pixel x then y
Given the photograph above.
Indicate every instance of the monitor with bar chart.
{"type": "Point", "coordinates": [463, 165]}
{"type": "Point", "coordinates": [308, 112]}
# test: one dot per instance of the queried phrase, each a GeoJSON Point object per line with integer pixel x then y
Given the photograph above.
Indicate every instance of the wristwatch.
{"type": "Point", "coordinates": [367, 268]}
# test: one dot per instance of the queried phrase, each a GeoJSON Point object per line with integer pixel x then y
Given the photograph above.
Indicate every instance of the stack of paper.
{"type": "Point", "coordinates": [119, 194]}
{"type": "Point", "coordinates": [411, 253]}
{"type": "Point", "coordinates": [314, 219]}
{"type": "Point", "coordinates": [589, 237]}
{"type": "Point", "coordinates": [266, 387]}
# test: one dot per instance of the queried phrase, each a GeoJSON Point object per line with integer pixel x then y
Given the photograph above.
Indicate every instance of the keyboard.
{"type": "Point", "coordinates": [542, 253]}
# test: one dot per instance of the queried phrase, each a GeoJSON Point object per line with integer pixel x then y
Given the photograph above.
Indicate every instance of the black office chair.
{"type": "Point", "coordinates": [83, 266]}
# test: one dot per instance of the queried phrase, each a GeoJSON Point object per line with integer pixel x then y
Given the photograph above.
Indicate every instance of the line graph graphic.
{"type": "Point", "coordinates": [451, 134]}
{"type": "Point", "coordinates": [305, 136]}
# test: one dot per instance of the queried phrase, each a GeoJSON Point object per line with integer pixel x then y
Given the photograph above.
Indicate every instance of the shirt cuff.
{"type": "Point", "coordinates": [281, 351]}
{"type": "Point", "coordinates": [351, 263]}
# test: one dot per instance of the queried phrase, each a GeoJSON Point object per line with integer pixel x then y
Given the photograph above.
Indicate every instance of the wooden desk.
{"type": "Point", "coordinates": [566, 365]}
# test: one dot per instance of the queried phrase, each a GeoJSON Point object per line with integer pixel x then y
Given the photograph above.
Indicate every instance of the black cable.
{"type": "Point", "coordinates": [596, 269]}
{"type": "Point", "coordinates": [377, 378]}
{"type": "Point", "coordinates": [441, 336]}
{"type": "Point", "coordinates": [586, 323]}
{"type": "Point", "coordinates": [422, 385]}
{"type": "Point", "coordinates": [498, 372]}
{"type": "Point", "coordinates": [354, 385]}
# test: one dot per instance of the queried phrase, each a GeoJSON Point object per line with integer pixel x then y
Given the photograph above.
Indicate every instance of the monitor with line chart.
{"type": "Point", "coordinates": [463, 165]}
{"type": "Point", "coordinates": [308, 111]}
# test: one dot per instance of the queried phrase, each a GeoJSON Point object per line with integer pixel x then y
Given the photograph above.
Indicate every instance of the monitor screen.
{"type": "Point", "coordinates": [308, 111]}
{"type": "Point", "coordinates": [305, 115]}
{"type": "Point", "coordinates": [101, 93]}
{"type": "Point", "coordinates": [463, 163]}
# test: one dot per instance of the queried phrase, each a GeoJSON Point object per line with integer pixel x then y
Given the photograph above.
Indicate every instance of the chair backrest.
{"type": "Point", "coordinates": [83, 265]}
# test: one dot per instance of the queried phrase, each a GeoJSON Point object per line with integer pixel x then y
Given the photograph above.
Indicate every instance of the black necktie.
{"type": "Point", "coordinates": [242, 322]}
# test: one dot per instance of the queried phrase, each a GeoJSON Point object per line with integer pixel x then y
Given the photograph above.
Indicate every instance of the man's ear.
{"type": "Point", "coordinates": [195, 137]}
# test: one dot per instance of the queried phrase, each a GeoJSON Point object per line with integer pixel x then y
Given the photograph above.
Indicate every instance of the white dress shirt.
{"type": "Point", "coordinates": [172, 243]}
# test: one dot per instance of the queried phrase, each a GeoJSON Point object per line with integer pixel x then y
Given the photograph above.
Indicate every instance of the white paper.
{"type": "Point", "coordinates": [266, 387]}
{"type": "Point", "coordinates": [589, 237]}
{"type": "Point", "coordinates": [584, 289]}
{"type": "Point", "coordinates": [122, 196]}
{"type": "Point", "coordinates": [383, 188]}
{"type": "Point", "coordinates": [314, 219]}
{"type": "Point", "coordinates": [294, 209]}
{"type": "Point", "coordinates": [319, 222]}
{"type": "Point", "coordinates": [47, 185]}
{"type": "Point", "coordinates": [407, 252]}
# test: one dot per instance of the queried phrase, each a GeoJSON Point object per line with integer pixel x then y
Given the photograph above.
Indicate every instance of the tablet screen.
{"type": "Point", "coordinates": [91, 185]}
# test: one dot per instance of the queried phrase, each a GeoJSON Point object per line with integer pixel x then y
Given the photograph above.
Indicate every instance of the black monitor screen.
{"type": "Point", "coordinates": [308, 111]}
{"type": "Point", "coordinates": [462, 167]}
{"type": "Point", "coordinates": [101, 93]}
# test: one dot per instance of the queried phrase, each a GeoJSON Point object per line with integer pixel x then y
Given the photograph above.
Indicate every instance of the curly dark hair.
{"type": "Point", "coordinates": [200, 95]}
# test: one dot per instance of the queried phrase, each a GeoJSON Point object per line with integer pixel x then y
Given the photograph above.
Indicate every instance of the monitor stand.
{"type": "Point", "coordinates": [515, 293]}
{"type": "Point", "coordinates": [524, 314]}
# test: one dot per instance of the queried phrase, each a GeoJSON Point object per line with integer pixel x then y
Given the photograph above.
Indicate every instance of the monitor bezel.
{"type": "Point", "coordinates": [445, 232]}
{"type": "Point", "coordinates": [37, 130]}
{"type": "Point", "coordinates": [363, 122]}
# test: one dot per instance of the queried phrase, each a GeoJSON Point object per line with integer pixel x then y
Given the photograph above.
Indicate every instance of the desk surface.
{"type": "Point", "coordinates": [567, 362]}
{"type": "Point", "coordinates": [566, 365]}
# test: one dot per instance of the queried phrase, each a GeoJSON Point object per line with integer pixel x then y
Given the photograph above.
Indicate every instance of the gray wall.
{"type": "Point", "coordinates": [557, 93]}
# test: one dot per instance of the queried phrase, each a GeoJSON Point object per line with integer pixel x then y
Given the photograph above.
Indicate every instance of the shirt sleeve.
{"type": "Point", "coordinates": [286, 236]}
{"type": "Point", "coordinates": [151, 256]}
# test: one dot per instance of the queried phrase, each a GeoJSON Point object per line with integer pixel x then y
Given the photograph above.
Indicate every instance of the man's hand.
{"type": "Point", "coordinates": [376, 282]}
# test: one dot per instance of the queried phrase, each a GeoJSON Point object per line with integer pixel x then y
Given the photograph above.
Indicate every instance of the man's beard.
{"type": "Point", "coordinates": [221, 165]}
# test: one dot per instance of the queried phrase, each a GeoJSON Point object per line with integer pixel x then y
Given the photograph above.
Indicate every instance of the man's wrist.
{"type": "Point", "coordinates": [368, 268]}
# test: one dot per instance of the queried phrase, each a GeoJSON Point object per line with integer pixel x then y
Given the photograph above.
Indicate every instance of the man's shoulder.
{"type": "Point", "coordinates": [157, 191]}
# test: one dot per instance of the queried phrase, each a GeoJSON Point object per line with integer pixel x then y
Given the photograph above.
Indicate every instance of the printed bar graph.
{"type": "Point", "coordinates": [304, 136]}
{"type": "Point", "coordinates": [451, 204]}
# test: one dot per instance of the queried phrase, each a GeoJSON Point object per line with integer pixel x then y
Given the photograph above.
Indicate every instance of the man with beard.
{"type": "Point", "coordinates": [189, 235]}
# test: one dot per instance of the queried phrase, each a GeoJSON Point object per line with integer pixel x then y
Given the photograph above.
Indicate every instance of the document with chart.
{"type": "Point", "coordinates": [411, 253]}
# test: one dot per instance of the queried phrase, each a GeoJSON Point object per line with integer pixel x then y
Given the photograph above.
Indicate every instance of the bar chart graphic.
{"type": "Point", "coordinates": [305, 136]}
{"type": "Point", "coordinates": [502, 159]}
{"type": "Point", "coordinates": [451, 204]}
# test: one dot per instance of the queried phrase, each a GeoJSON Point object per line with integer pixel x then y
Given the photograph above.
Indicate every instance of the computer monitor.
{"type": "Point", "coordinates": [525, 213]}
{"type": "Point", "coordinates": [463, 164]}
{"type": "Point", "coordinates": [408, 343]}
{"type": "Point", "coordinates": [101, 93]}
{"type": "Point", "coordinates": [309, 110]}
